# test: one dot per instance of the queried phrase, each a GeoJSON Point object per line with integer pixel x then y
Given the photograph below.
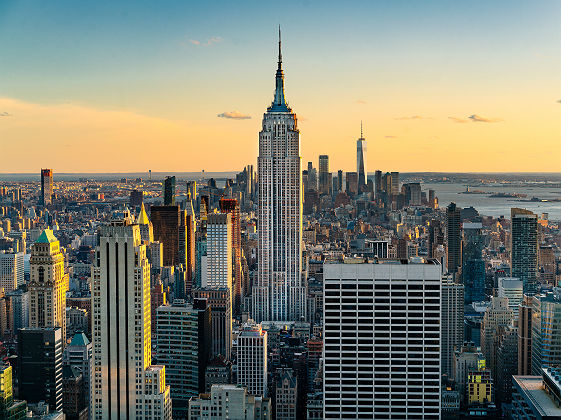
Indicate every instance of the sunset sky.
{"type": "Point", "coordinates": [111, 86]}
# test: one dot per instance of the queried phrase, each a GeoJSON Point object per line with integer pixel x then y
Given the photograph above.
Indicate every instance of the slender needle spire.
{"type": "Point", "coordinates": [280, 53]}
{"type": "Point", "coordinates": [279, 102]}
{"type": "Point", "coordinates": [361, 129]}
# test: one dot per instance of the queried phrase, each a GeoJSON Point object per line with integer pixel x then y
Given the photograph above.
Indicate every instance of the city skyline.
{"type": "Point", "coordinates": [491, 92]}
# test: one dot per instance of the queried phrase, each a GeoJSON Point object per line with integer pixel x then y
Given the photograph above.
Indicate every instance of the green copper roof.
{"type": "Point", "coordinates": [79, 339]}
{"type": "Point", "coordinates": [46, 237]}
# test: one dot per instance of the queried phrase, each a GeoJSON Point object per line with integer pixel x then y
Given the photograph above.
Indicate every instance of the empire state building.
{"type": "Point", "coordinates": [278, 294]}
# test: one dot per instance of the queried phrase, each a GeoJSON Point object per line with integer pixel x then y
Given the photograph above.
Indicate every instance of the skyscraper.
{"type": "Point", "coordinates": [40, 365]}
{"type": "Point", "coordinates": [252, 359]}
{"type": "Point", "coordinates": [546, 331]}
{"type": "Point", "coordinates": [231, 206]}
{"type": "Point", "coordinates": [452, 314]}
{"type": "Point", "coordinates": [218, 299]}
{"type": "Point", "coordinates": [219, 252]}
{"type": "Point", "coordinates": [183, 346]}
{"type": "Point", "coordinates": [382, 340]}
{"type": "Point", "coordinates": [324, 175]}
{"type": "Point", "coordinates": [48, 284]}
{"type": "Point", "coordinates": [453, 237]}
{"type": "Point", "coordinates": [395, 183]}
{"type": "Point", "coordinates": [125, 385]}
{"type": "Point", "coordinates": [46, 187]}
{"type": "Point", "coordinates": [361, 160]}
{"type": "Point", "coordinates": [378, 182]}
{"type": "Point", "coordinates": [351, 181]}
{"type": "Point", "coordinates": [339, 180]}
{"type": "Point", "coordinates": [473, 265]}
{"type": "Point", "coordinates": [169, 191]}
{"type": "Point", "coordinates": [524, 249]}
{"type": "Point", "coordinates": [11, 270]}
{"type": "Point", "coordinates": [278, 293]}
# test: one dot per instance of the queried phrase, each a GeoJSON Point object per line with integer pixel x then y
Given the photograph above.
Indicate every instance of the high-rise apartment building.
{"type": "Point", "coordinates": [498, 315]}
{"type": "Point", "coordinates": [125, 385]}
{"type": "Point", "coordinates": [511, 288]}
{"type": "Point", "coordinates": [11, 270]}
{"type": "Point", "coordinates": [40, 365]}
{"type": "Point", "coordinates": [473, 265]}
{"type": "Point", "coordinates": [278, 293]}
{"type": "Point", "coordinates": [46, 187]}
{"type": "Point", "coordinates": [175, 229]}
{"type": "Point", "coordinates": [183, 347]}
{"type": "Point", "coordinates": [452, 318]}
{"type": "Point", "coordinates": [524, 248]}
{"type": "Point", "coordinates": [546, 331]}
{"type": "Point", "coordinates": [382, 340]}
{"type": "Point", "coordinates": [219, 301]}
{"type": "Point", "coordinates": [361, 160]}
{"type": "Point", "coordinates": [453, 237]}
{"type": "Point", "coordinates": [252, 359]}
{"type": "Point", "coordinates": [324, 175]}
{"type": "Point", "coordinates": [524, 330]}
{"type": "Point", "coordinates": [231, 206]}
{"type": "Point", "coordinates": [48, 284]}
{"type": "Point", "coordinates": [219, 251]}
{"type": "Point", "coordinates": [169, 191]}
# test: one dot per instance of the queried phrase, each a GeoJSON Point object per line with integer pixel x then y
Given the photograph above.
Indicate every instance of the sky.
{"type": "Point", "coordinates": [177, 86]}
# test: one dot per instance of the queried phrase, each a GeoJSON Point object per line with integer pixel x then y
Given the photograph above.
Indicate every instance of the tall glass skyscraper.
{"type": "Point", "coordinates": [473, 265]}
{"type": "Point", "coordinates": [524, 249]}
{"type": "Point", "coordinates": [453, 237]}
{"type": "Point", "coordinates": [278, 293]}
{"type": "Point", "coordinates": [169, 191]}
{"type": "Point", "coordinates": [361, 160]}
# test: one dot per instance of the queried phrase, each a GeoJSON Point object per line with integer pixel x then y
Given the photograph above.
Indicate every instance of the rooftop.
{"type": "Point", "coordinates": [533, 389]}
{"type": "Point", "coordinates": [46, 237]}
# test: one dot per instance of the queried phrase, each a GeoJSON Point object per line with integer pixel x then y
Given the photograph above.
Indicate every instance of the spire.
{"type": "Point", "coordinates": [361, 130]}
{"type": "Point", "coordinates": [280, 52]}
{"type": "Point", "coordinates": [279, 102]}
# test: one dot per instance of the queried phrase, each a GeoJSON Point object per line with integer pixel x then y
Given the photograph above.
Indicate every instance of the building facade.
{"type": "Point", "coordinates": [48, 284]}
{"type": "Point", "coordinates": [252, 359]}
{"type": "Point", "coordinates": [382, 340]}
{"type": "Point", "coordinates": [278, 294]}
{"type": "Point", "coordinates": [524, 249]}
{"type": "Point", "coordinates": [125, 385]}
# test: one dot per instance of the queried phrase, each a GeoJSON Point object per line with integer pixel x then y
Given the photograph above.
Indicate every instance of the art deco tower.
{"type": "Point", "coordinates": [125, 383]}
{"type": "Point", "coordinates": [48, 284]}
{"type": "Point", "coordinates": [278, 293]}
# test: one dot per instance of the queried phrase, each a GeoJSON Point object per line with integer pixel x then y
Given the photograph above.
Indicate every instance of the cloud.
{"type": "Point", "coordinates": [360, 101]}
{"type": "Point", "coordinates": [458, 120]}
{"type": "Point", "coordinates": [210, 41]}
{"type": "Point", "coordinates": [5, 114]}
{"type": "Point", "coordinates": [390, 137]}
{"type": "Point", "coordinates": [413, 117]}
{"type": "Point", "coordinates": [234, 115]}
{"type": "Point", "coordinates": [478, 118]}
{"type": "Point", "coordinates": [559, 101]}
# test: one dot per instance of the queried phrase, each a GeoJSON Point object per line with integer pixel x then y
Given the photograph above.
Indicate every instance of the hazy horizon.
{"type": "Point", "coordinates": [129, 85]}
